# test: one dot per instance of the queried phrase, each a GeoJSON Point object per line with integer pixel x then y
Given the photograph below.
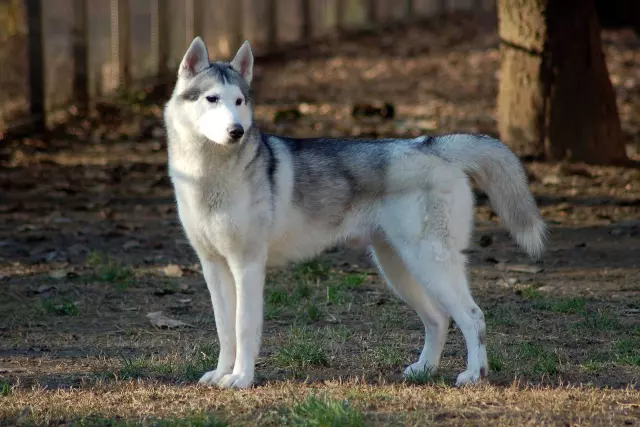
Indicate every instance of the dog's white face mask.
{"type": "Point", "coordinates": [215, 95]}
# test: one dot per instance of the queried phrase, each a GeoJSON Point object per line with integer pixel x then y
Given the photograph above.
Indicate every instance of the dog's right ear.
{"type": "Point", "coordinates": [195, 60]}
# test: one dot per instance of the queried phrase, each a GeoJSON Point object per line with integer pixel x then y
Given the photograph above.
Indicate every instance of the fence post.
{"type": "Point", "coordinates": [340, 14]}
{"type": "Point", "coordinates": [80, 56]}
{"type": "Point", "coordinates": [272, 24]}
{"type": "Point", "coordinates": [307, 29]}
{"type": "Point", "coordinates": [121, 40]}
{"type": "Point", "coordinates": [372, 12]}
{"type": "Point", "coordinates": [442, 6]}
{"type": "Point", "coordinates": [409, 9]}
{"type": "Point", "coordinates": [161, 37]}
{"type": "Point", "coordinates": [237, 26]}
{"type": "Point", "coordinates": [36, 64]}
{"type": "Point", "coordinates": [193, 10]}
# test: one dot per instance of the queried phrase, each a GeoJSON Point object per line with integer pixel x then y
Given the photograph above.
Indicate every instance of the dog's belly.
{"type": "Point", "coordinates": [299, 238]}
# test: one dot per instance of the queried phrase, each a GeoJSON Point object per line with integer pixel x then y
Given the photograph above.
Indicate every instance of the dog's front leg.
{"type": "Point", "coordinates": [249, 276]}
{"type": "Point", "coordinates": [223, 297]}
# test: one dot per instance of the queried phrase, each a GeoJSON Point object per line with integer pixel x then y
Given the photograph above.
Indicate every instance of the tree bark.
{"type": "Point", "coordinates": [555, 98]}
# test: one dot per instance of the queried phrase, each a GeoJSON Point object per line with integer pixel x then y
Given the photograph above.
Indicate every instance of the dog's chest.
{"type": "Point", "coordinates": [213, 216]}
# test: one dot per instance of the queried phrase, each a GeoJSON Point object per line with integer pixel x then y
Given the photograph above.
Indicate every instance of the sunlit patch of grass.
{"type": "Point", "coordinates": [425, 377]}
{"type": "Point", "coordinates": [323, 411]}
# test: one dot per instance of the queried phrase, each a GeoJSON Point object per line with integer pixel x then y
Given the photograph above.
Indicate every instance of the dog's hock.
{"type": "Point", "coordinates": [243, 62]}
{"type": "Point", "coordinates": [195, 60]}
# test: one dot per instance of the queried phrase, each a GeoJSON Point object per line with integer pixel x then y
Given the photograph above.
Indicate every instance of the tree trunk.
{"type": "Point", "coordinates": [555, 98]}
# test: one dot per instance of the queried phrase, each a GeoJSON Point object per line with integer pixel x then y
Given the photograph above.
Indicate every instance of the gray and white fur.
{"type": "Point", "coordinates": [248, 200]}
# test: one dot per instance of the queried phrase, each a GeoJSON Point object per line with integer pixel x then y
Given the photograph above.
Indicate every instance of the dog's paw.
{"type": "Point", "coordinates": [212, 377]}
{"type": "Point", "coordinates": [236, 381]}
{"type": "Point", "coordinates": [469, 377]}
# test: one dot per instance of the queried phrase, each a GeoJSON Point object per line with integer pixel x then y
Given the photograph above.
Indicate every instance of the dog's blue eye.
{"type": "Point", "coordinates": [213, 99]}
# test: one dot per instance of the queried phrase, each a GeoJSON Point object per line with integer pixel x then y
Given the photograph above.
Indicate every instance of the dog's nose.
{"type": "Point", "coordinates": [236, 131]}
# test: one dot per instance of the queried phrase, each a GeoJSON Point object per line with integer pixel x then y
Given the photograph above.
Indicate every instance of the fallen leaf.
{"type": "Point", "coordinates": [45, 288]}
{"type": "Point", "coordinates": [173, 270]}
{"type": "Point", "coordinates": [131, 244]}
{"type": "Point", "coordinates": [519, 268]}
{"type": "Point", "coordinates": [158, 319]}
{"type": "Point", "coordinates": [58, 274]}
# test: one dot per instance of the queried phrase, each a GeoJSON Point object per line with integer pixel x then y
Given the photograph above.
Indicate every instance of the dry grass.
{"type": "Point", "coordinates": [379, 404]}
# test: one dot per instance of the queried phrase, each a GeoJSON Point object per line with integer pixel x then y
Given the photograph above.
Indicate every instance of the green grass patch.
{"type": "Point", "coordinates": [189, 366]}
{"type": "Point", "coordinates": [201, 359]}
{"type": "Point", "coordinates": [543, 361]}
{"type": "Point", "coordinates": [627, 351]}
{"type": "Point", "coordinates": [599, 321]}
{"type": "Point", "coordinates": [313, 313]}
{"type": "Point", "coordinates": [530, 293]}
{"type": "Point", "coordinates": [5, 388]}
{"type": "Point", "coordinates": [425, 377]}
{"type": "Point", "coordinates": [388, 356]}
{"type": "Point", "coordinates": [495, 360]}
{"type": "Point", "coordinates": [592, 366]}
{"type": "Point", "coordinates": [60, 306]}
{"type": "Point", "coordinates": [106, 269]}
{"type": "Point", "coordinates": [322, 411]}
{"type": "Point", "coordinates": [354, 280]}
{"type": "Point", "coordinates": [525, 358]}
{"type": "Point", "coordinates": [310, 271]}
{"type": "Point", "coordinates": [301, 350]}
{"type": "Point", "coordinates": [563, 305]}
{"type": "Point", "coordinates": [501, 316]}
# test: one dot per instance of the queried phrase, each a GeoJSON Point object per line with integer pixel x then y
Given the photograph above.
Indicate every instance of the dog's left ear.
{"type": "Point", "coordinates": [243, 62]}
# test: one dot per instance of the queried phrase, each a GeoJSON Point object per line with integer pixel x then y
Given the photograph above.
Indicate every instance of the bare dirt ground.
{"type": "Point", "coordinates": [90, 244]}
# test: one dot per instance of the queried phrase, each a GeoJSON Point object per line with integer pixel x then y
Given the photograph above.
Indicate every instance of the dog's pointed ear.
{"type": "Point", "coordinates": [243, 62]}
{"type": "Point", "coordinates": [195, 60]}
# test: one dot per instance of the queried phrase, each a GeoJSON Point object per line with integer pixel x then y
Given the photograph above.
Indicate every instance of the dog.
{"type": "Point", "coordinates": [249, 200]}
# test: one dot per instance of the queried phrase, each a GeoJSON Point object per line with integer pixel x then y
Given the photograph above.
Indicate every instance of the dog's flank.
{"type": "Point", "coordinates": [248, 200]}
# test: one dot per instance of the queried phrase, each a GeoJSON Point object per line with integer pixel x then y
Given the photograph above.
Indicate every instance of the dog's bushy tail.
{"type": "Point", "coordinates": [498, 171]}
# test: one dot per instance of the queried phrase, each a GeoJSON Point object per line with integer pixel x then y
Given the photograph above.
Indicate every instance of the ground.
{"type": "Point", "coordinates": [90, 244]}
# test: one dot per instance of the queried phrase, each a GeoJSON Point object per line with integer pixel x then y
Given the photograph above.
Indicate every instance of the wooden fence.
{"type": "Point", "coordinates": [61, 56]}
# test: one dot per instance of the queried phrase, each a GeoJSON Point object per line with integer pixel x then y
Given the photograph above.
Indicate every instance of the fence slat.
{"type": "Point", "coordinates": [372, 12]}
{"type": "Point", "coordinates": [272, 24]}
{"type": "Point", "coordinates": [81, 56]}
{"type": "Point", "coordinates": [163, 37]}
{"type": "Point", "coordinates": [307, 29]}
{"type": "Point", "coordinates": [236, 36]}
{"type": "Point", "coordinates": [193, 11]}
{"type": "Point", "coordinates": [409, 9]}
{"type": "Point", "coordinates": [121, 41]}
{"type": "Point", "coordinates": [36, 63]}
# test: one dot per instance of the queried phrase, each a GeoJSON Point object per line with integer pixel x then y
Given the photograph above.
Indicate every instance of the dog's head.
{"type": "Point", "coordinates": [215, 98]}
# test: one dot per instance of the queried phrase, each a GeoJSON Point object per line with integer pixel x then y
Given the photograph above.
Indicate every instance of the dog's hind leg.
{"type": "Point", "coordinates": [223, 296]}
{"type": "Point", "coordinates": [435, 320]}
{"type": "Point", "coordinates": [440, 269]}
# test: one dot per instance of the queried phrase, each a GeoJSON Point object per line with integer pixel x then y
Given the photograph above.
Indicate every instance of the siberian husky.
{"type": "Point", "coordinates": [248, 200]}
